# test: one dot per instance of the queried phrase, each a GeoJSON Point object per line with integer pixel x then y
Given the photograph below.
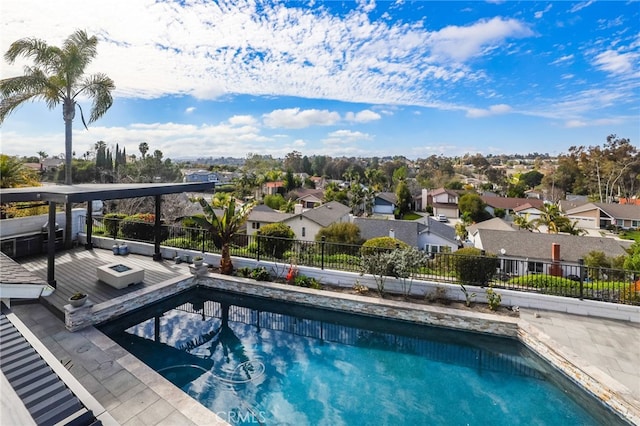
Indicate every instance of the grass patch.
{"type": "Point", "coordinates": [630, 235]}
{"type": "Point", "coordinates": [411, 216]}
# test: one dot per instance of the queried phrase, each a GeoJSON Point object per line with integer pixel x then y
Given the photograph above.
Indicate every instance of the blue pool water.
{"type": "Point", "coordinates": [254, 361]}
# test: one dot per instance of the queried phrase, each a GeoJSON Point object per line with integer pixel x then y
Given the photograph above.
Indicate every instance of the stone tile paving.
{"type": "Point", "coordinates": [126, 388]}
{"type": "Point", "coordinates": [609, 345]}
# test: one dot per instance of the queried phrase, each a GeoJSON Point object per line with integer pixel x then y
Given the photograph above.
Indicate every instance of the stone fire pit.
{"type": "Point", "coordinates": [120, 276]}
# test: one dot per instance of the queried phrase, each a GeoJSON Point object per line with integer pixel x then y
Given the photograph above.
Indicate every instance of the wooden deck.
{"type": "Point", "coordinates": [75, 271]}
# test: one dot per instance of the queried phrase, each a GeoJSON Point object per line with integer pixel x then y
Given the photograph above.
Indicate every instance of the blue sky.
{"type": "Point", "coordinates": [202, 78]}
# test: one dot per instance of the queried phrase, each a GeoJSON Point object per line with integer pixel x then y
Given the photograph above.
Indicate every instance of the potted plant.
{"type": "Point", "coordinates": [198, 260]}
{"type": "Point", "coordinates": [77, 299]}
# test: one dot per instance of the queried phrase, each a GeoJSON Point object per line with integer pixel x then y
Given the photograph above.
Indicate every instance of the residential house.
{"type": "Point", "coordinates": [509, 205]}
{"type": "Point", "coordinates": [200, 176]}
{"type": "Point", "coordinates": [52, 163]}
{"type": "Point", "coordinates": [527, 209]}
{"type": "Point", "coordinates": [272, 188]}
{"type": "Point", "coordinates": [385, 203]}
{"type": "Point", "coordinates": [524, 252]}
{"type": "Point", "coordinates": [428, 234]}
{"type": "Point", "coordinates": [604, 215]}
{"type": "Point", "coordinates": [443, 201]}
{"type": "Point", "coordinates": [566, 205]}
{"type": "Point", "coordinates": [262, 215]}
{"type": "Point", "coordinates": [534, 193]}
{"type": "Point", "coordinates": [308, 198]}
{"type": "Point", "coordinates": [318, 181]}
{"type": "Point", "coordinates": [309, 222]}
{"type": "Point", "coordinates": [496, 224]}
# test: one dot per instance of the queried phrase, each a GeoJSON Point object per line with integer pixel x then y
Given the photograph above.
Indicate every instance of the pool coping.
{"type": "Point", "coordinates": [611, 393]}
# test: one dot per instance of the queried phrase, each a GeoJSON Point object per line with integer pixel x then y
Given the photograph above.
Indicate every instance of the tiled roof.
{"type": "Point", "coordinates": [616, 211]}
{"type": "Point", "coordinates": [495, 223]}
{"type": "Point", "coordinates": [265, 214]}
{"type": "Point", "coordinates": [403, 230]}
{"type": "Point", "coordinates": [327, 214]}
{"type": "Point", "coordinates": [537, 246]}
{"type": "Point", "coordinates": [388, 196]}
{"type": "Point", "coordinates": [13, 273]}
{"type": "Point", "coordinates": [511, 203]}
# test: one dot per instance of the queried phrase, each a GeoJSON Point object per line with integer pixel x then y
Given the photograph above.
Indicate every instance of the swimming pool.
{"type": "Point", "coordinates": [258, 361]}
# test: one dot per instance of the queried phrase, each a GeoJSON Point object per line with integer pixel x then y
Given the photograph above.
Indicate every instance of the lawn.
{"type": "Point", "coordinates": [630, 235]}
{"type": "Point", "coordinates": [411, 216]}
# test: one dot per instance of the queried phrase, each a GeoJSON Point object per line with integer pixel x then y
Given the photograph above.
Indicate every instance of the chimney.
{"type": "Point", "coordinates": [555, 252]}
{"type": "Point", "coordinates": [555, 269]}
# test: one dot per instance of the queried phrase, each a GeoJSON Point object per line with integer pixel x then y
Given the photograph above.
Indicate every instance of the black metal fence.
{"type": "Point", "coordinates": [574, 280]}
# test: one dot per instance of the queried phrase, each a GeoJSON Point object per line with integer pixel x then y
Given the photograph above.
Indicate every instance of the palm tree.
{"type": "Point", "coordinates": [13, 173]}
{"type": "Point", "coordinates": [57, 77]}
{"type": "Point", "coordinates": [222, 228]}
{"type": "Point", "coordinates": [551, 218]}
{"type": "Point", "coordinates": [523, 222]}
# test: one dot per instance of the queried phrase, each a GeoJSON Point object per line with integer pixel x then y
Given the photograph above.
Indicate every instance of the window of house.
{"type": "Point", "coordinates": [304, 231]}
{"type": "Point", "coordinates": [635, 223]}
{"type": "Point", "coordinates": [535, 267]}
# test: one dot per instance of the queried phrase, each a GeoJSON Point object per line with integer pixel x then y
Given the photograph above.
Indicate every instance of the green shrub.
{"type": "Point", "coordinates": [112, 223]}
{"type": "Point", "coordinates": [141, 227]}
{"type": "Point", "coordinates": [381, 244]}
{"type": "Point", "coordinates": [244, 272]}
{"type": "Point", "coordinates": [304, 281]}
{"type": "Point", "coordinates": [260, 274]}
{"type": "Point", "coordinates": [275, 239]}
{"type": "Point", "coordinates": [473, 268]}
{"type": "Point", "coordinates": [493, 299]}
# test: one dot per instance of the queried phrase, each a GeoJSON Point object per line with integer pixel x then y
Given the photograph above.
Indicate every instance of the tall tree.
{"type": "Point", "coordinates": [13, 173]}
{"type": "Point", "coordinates": [222, 227]}
{"type": "Point", "coordinates": [58, 77]}
{"type": "Point", "coordinates": [404, 198]}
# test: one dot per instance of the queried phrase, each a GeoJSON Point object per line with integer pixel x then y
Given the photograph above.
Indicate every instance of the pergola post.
{"type": "Point", "coordinates": [157, 229]}
{"type": "Point", "coordinates": [51, 245]}
{"type": "Point", "coordinates": [89, 224]}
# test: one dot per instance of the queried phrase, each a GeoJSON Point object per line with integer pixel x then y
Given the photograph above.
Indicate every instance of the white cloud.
{"type": "Point", "coordinates": [362, 116]}
{"type": "Point", "coordinates": [461, 43]}
{"type": "Point", "coordinates": [154, 49]}
{"type": "Point", "coordinates": [294, 118]}
{"type": "Point", "coordinates": [539, 14]}
{"type": "Point", "coordinates": [581, 6]}
{"type": "Point", "coordinates": [190, 110]}
{"type": "Point", "coordinates": [345, 137]}
{"type": "Point", "coordinates": [614, 62]}
{"type": "Point", "coordinates": [565, 58]}
{"type": "Point", "coordinates": [571, 124]}
{"type": "Point", "coordinates": [242, 120]}
{"type": "Point", "coordinates": [498, 109]}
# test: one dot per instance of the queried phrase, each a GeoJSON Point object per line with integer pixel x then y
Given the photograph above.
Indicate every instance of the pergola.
{"type": "Point", "coordinates": [62, 194]}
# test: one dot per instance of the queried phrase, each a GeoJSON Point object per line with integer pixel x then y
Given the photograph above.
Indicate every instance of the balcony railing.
{"type": "Point", "coordinates": [565, 279]}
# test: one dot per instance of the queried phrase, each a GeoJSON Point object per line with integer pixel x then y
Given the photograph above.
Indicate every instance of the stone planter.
{"type": "Point", "coordinates": [198, 261]}
{"type": "Point", "coordinates": [76, 302]}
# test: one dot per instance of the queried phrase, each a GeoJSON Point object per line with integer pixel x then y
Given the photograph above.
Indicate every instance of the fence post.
{"type": "Point", "coordinates": [322, 243]}
{"type": "Point", "coordinates": [581, 263]}
{"type": "Point", "coordinates": [257, 247]}
{"type": "Point", "coordinates": [204, 234]}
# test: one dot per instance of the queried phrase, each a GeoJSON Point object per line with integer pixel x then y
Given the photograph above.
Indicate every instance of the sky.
{"type": "Point", "coordinates": [201, 78]}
